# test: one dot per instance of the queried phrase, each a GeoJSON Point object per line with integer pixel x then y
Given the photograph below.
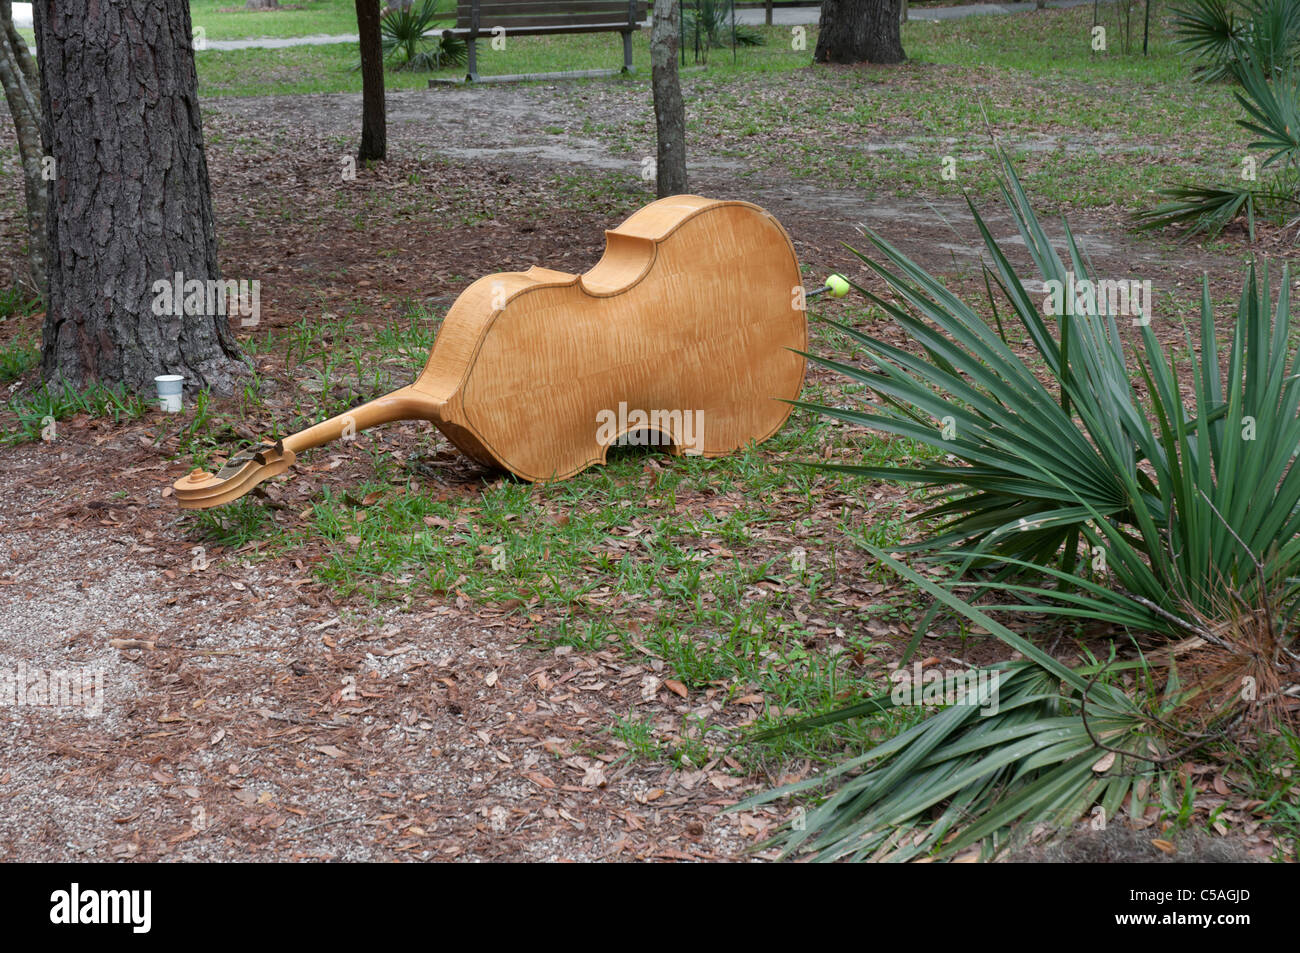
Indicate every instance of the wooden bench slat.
{"type": "Point", "coordinates": [568, 7]}
{"type": "Point", "coordinates": [485, 33]}
{"type": "Point", "coordinates": [477, 19]}
{"type": "Point", "coordinates": [597, 10]}
{"type": "Point", "coordinates": [564, 5]}
{"type": "Point", "coordinates": [536, 6]}
{"type": "Point", "coordinates": [602, 12]}
{"type": "Point", "coordinates": [486, 23]}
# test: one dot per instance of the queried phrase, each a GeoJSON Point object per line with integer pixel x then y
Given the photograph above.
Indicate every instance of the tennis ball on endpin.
{"type": "Point", "coordinates": [838, 286]}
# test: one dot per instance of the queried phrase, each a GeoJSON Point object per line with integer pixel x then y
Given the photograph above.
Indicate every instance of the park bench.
{"type": "Point", "coordinates": [487, 19]}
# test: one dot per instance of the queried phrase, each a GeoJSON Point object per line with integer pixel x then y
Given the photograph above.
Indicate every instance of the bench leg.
{"type": "Point", "coordinates": [473, 60]}
{"type": "Point", "coordinates": [627, 52]}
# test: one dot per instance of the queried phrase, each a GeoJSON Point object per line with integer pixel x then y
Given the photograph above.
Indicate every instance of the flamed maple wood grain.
{"type": "Point", "coordinates": [691, 308]}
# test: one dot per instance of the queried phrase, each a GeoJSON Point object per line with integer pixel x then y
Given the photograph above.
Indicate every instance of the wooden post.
{"type": "Point", "coordinates": [627, 36]}
{"type": "Point", "coordinates": [470, 41]}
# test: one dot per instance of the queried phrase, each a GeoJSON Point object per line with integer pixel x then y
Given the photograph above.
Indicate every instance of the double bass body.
{"type": "Point", "coordinates": [694, 307]}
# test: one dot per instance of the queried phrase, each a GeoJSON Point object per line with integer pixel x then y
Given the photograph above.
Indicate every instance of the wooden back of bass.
{"type": "Point", "coordinates": [685, 327]}
{"type": "Point", "coordinates": [694, 307]}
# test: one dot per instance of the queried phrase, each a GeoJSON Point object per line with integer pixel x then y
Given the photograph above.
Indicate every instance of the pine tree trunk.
{"type": "Point", "coordinates": [18, 76]}
{"type": "Point", "coordinates": [670, 112]}
{"type": "Point", "coordinates": [130, 207]}
{"type": "Point", "coordinates": [859, 31]}
{"type": "Point", "coordinates": [374, 128]}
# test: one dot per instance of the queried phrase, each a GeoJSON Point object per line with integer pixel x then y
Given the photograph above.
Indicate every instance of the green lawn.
{"type": "Point", "coordinates": [228, 20]}
{"type": "Point", "coordinates": [1087, 129]}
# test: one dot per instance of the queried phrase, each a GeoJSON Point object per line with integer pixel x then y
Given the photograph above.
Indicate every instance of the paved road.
{"type": "Point", "coordinates": [783, 16]}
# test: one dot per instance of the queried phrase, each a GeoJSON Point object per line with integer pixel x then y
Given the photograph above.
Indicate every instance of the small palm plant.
{"type": "Point", "coordinates": [1272, 104]}
{"type": "Point", "coordinates": [709, 23]}
{"type": "Point", "coordinates": [410, 41]}
{"type": "Point", "coordinates": [1087, 503]}
{"type": "Point", "coordinates": [1222, 35]}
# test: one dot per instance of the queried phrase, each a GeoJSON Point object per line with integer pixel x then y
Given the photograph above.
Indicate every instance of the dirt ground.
{"type": "Point", "coordinates": [250, 712]}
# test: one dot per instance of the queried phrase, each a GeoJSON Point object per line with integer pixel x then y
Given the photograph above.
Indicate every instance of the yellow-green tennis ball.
{"type": "Point", "coordinates": [838, 286]}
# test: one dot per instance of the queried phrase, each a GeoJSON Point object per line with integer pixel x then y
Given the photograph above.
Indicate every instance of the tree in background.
{"type": "Point", "coordinates": [21, 84]}
{"type": "Point", "coordinates": [129, 201]}
{"type": "Point", "coordinates": [374, 126]}
{"type": "Point", "coordinates": [859, 31]}
{"type": "Point", "coordinates": [670, 112]}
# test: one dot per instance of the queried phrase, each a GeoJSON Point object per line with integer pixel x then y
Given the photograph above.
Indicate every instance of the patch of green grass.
{"type": "Point", "coordinates": [229, 20]}
{"type": "Point", "coordinates": [1268, 775]}
{"type": "Point", "coordinates": [200, 435]}
{"type": "Point", "coordinates": [1087, 130]}
{"type": "Point", "coordinates": [613, 537]}
{"type": "Point", "coordinates": [17, 358]}
{"type": "Point", "coordinates": [16, 302]}
{"type": "Point", "coordinates": [38, 410]}
{"type": "Point", "coordinates": [718, 611]}
{"type": "Point", "coordinates": [572, 548]}
{"type": "Point", "coordinates": [237, 524]}
{"type": "Point", "coordinates": [330, 67]}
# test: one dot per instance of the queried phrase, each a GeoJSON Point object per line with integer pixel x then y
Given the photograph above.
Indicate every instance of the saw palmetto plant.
{"type": "Point", "coordinates": [1222, 35]}
{"type": "Point", "coordinates": [710, 24]}
{"type": "Point", "coordinates": [1260, 53]}
{"type": "Point", "coordinates": [410, 41]}
{"type": "Point", "coordinates": [1173, 517]}
{"type": "Point", "coordinates": [1057, 745]}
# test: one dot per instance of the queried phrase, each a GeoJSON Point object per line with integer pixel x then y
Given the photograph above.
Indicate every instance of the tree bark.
{"type": "Point", "coordinates": [262, 4]}
{"type": "Point", "coordinates": [859, 31]}
{"type": "Point", "coordinates": [129, 202]}
{"type": "Point", "coordinates": [670, 112]}
{"type": "Point", "coordinates": [18, 76]}
{"type": "Point", "coordinates": [374, 123]}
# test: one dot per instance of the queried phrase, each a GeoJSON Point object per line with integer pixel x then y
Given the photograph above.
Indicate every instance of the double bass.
{"type": "Point", "coordinates": [691, 327]}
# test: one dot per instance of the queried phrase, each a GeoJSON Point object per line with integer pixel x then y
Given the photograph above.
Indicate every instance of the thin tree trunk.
{"type": "Point", "coordinates": [18, 76]}
{"type": "Point", "coordinates": [670, 112]}
{"type": "Point", "coordinates": [130, 207]}
{"type": "Point", "coordinates": [859, 31]}
{"type": "Point", "coordinates": [374, 129]}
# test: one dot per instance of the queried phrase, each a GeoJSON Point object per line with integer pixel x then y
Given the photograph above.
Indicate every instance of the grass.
{"type": "Point", "coordinates": [629, 557]}
{"type": "Point", "coordinates": [229, 20]}
{"type": "Point", "coordinates": [35, 412]}
{"type": "Point", "coordinates": [1266, 774]}
{"type": "Point", "coordinates": [18, 357]}
{"type": "Point", "coordinates": [620, 558]}
{"type": "Point", "coordinates": [1087, 130]}
{"type": "Point", "coordinates": [15, 302]}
